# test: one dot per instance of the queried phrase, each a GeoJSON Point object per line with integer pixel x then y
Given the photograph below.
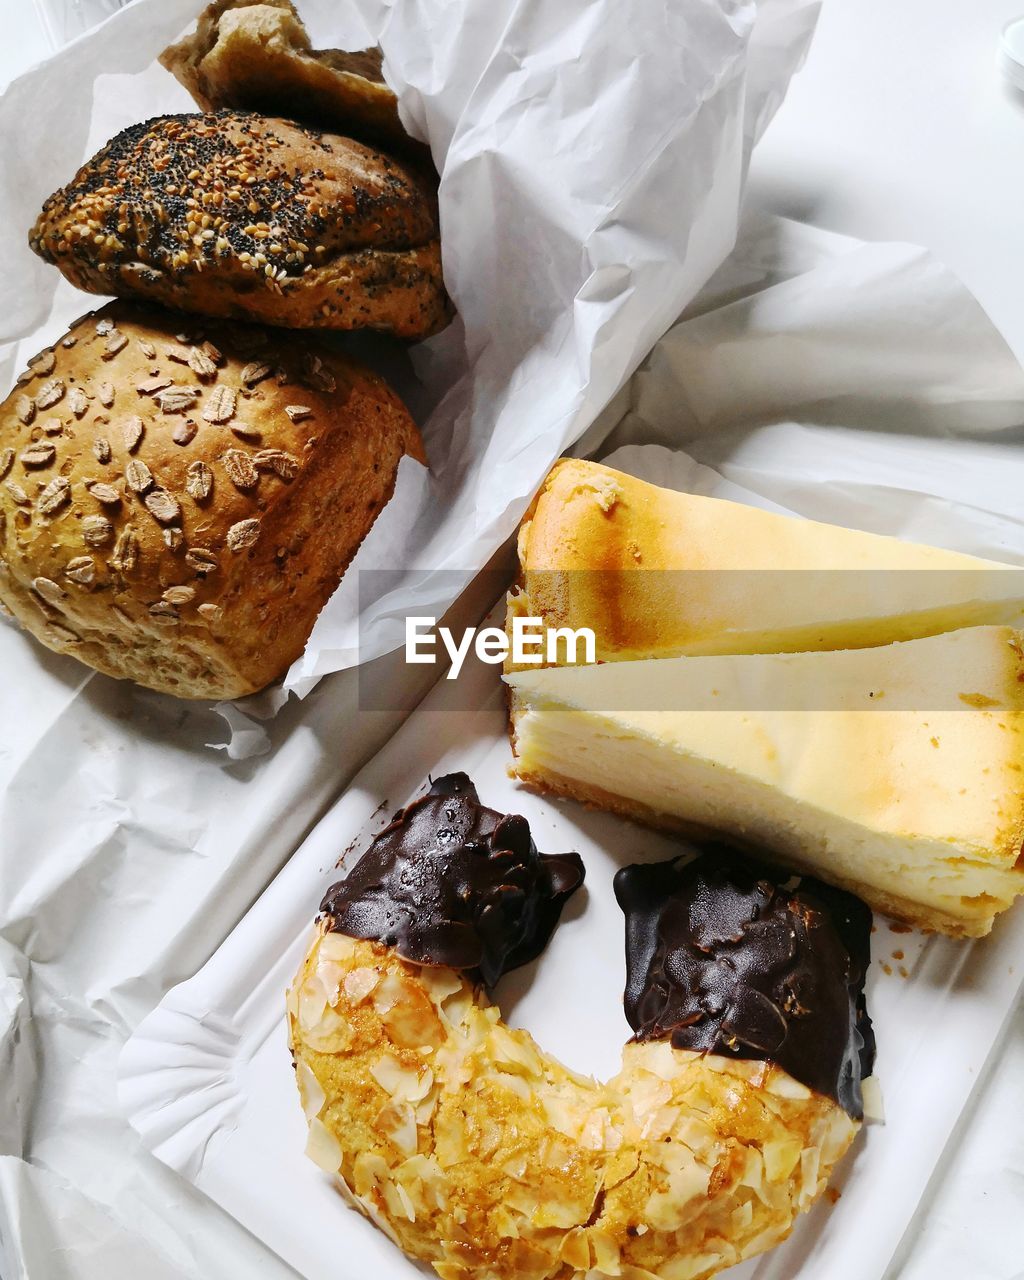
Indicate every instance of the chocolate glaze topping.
{"type": "Point", "coordinates": [449, 882]}
{"type": "Point", "coordinates": [722, 958]}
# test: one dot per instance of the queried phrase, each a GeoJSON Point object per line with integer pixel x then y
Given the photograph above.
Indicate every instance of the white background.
{"type": "Point", "coordinates": [898, 129]}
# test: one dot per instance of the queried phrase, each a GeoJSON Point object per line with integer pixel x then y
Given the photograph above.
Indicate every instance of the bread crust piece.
{"type": "Point", "coordinates": [238, 215]}
{"type": "Point", "coordinates": [178, 501]}
{"type": "Point", "coordinates": [256, 55]}
{"type": "Point", "coordinates": [477, 1152]}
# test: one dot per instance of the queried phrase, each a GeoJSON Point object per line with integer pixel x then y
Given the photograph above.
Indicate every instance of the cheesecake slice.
{"type": "Point", "coordinates": [655, 573]}
{"type": "Point", "coordinates": [896, 772]}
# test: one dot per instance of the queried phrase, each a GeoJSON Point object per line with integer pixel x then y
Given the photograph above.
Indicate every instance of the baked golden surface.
{"type": "Point", "coordinates": [477, 1152]}
{"type": "Point", "coordinates": [256, 55]}
{"type": "Point", "coordinates": [179, 500]}
{"type": "Point", "coordinates": [658, 573]}
{"type": "Point", "coordinates": [238, 215]}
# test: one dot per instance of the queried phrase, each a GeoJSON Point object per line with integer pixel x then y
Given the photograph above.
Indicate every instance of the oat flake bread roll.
{"type": "Point", "coordinates": [257, 55]}
{"type": "Point", "coordinates": [176, 507]}
{"type": "Point", "coordinates": [235, 214]}
{"type": "Point", "coordinates": [479, 1153]}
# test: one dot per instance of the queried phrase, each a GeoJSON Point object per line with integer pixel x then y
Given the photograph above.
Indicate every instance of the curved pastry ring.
{"type": "Point", "coordinates": [477, 1152]}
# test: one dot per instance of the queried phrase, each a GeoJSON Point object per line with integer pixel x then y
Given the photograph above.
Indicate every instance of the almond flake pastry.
{"type": "Point", "coordinates": [477, 1152]}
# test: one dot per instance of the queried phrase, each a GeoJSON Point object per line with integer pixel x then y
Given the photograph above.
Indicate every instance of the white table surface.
{"type": "Point", "coordinates": [898, 128]}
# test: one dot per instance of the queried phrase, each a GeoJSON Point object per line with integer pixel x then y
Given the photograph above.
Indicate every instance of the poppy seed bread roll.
{"type": "Point", "coordinates": [177, 507]}
{"type": "Point", "coordinates": [238, 215]}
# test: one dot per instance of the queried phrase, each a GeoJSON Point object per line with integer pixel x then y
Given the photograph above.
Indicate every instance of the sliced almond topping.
{"type": "Point", "coordinates": [50, 393]}
{"type": "Point", "coordinates": [298, 412]}
{"type": "Point", "coordinates": [105, 493]}
{"type": "Point", "coordinates": [201, 364]}
{"type": "Point", "coordinates": [52, 427]}
{"type": "Point", "coordinates": [126, 552]}
{"type": "Point", "coordinates": [18, 494]}
{"type": "Point", "coordinates": [246, 431]}
{"type": "Point", "coordinates": [198, 481]}
{"type": "Point", "coordinates": [211, 612]}
{"type": "Point", "coordinates": [241, 472]}
{"type": "Point", "coordinates": [43, 364]}
{"type": "Point", "coordinates": [104, 326]}
{"type": "Point", "coordinates": [177, 399]}
{"type": "Point", "coordinates": [81, 569]}
{"type": "Point", "coordinates": [106, 394]}
{"type": "Point", "coordinates": [243, 535]}
{"type": "Point", "coordinates": [150, 386]}
{"type": "Point", "coordinates": [173, 537]}
{"type": "Point", "coordinates": [180, 595]}
{"type": "Point", "coordinates": [138, 476]}
{"type": "Point", "coordinates": [6, 461]}
{"type": "Point", "coordinates": [184, 432]}
{"type": "Point", "coordinates": [278, 461]}
{"type": "Point", "coordinates": [255, 372]}
{"type": "Point", "coordinates": [97, 531]}
{"type": "Point", "coordinates": [25, 408]}
{"type": "Point", "coordinates": [56, 494]}
{"type": "Point", "coordinates": [212, 352]}
{"type": "Point", "coordinates": [148, 350]}
{"type": "Point", "coordinates": [132, 430]}
{"type": "Point", "coordinates": [202, 560]}
{"type": "Point", "coordinates": [49, 591]}
{"type": "Point", "coordinates": [162, 506]}
{"type": "Point", "coordinates": [40, 454]}
{"type": "Point", "coordinates": [220, 405]}
{"type": "Point", "coordinates": [116, 341]}
{"type": "Point", "coordinates": [77, 401]}
{"type": "Point", "coordinates": [101, 448]}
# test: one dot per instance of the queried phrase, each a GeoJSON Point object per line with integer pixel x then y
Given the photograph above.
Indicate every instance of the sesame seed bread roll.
{"type": "Point", "coordinates": [237, 215]}
{"type": "Point", "coordinates": [177, 502]}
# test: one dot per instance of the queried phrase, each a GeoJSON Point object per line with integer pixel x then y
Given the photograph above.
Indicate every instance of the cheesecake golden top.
{"type": "Point", "coordinates": [658, 573]}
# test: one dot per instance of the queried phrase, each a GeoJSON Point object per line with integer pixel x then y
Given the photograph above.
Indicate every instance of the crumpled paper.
{"type": "Point", "coordinates": [591, 156]}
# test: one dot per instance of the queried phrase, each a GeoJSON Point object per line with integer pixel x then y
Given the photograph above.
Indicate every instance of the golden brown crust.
{"type": "Point", "coordinates": [657, 573]}
{"type": "Point", "coordinates": [236, 215]}
{"type": "Point", "coordinates": [479, 1153]}
{"type": "Point", "coordinates": [256, 55]}
{"type": "Point", "coordinates": [177, 507]}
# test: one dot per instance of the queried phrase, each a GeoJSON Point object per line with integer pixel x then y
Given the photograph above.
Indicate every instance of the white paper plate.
{"type": "Point", "coordinates": [207, 1078]}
